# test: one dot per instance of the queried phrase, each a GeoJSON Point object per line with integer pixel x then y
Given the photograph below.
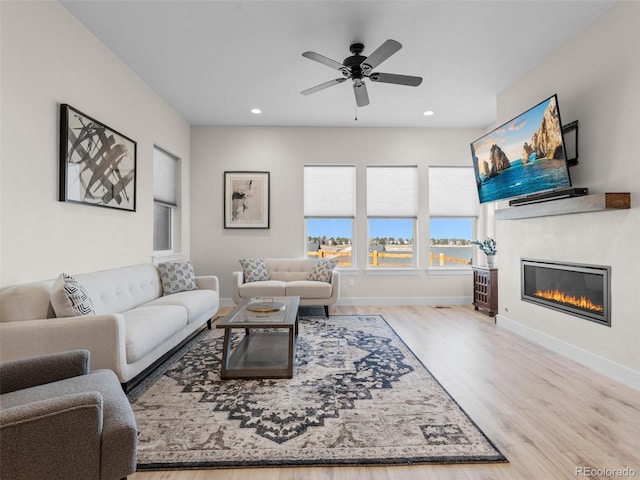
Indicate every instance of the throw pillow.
{"type": "Point", "coordinates": [323, 269]}
{"type": "Point", "coordinates": [69, 298]}
{"type": "Point", "coordinates": [177, 277]}
{"type": "Point", "coordinates": [254, 270]}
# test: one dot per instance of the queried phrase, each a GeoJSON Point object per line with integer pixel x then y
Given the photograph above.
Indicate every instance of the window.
{"type": "Point", "coordinates": [453, 211]}
{"type": "Point", "coordinates": [329, 210]}
{"type": "Point", "coordinates": [165, 199]}
{"type": "Point", "coordinates": [392, 208]}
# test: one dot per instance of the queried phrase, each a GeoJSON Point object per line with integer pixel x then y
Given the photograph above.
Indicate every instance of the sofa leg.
{"type": "Point", "coordinates": [326, 311]}
{"type": "Point", "coordinates": [209, 324]}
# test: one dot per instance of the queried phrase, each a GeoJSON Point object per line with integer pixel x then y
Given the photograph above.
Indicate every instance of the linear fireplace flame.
{"type": "Point", "coordinates": [579, 290]}
{"type": "Point", "coordinates": [561, 297]}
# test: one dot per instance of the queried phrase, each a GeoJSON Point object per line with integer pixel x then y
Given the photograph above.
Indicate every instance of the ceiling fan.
{"type": "Point", "coordinates": [358, 67]}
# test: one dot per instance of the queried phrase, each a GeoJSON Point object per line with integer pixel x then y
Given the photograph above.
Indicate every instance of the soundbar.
{"type": "Point", "coordinates": [550, 195]}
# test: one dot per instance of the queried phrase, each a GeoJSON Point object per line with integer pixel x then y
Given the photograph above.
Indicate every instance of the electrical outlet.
{"type": "Point", "coordinates": [351, 282]}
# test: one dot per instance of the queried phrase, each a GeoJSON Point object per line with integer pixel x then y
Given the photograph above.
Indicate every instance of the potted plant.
{"type": "Point", "coordinates": [489, 248]}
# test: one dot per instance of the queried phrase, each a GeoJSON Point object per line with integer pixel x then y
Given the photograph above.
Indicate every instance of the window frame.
{"type": "Point", "coordinates": [471, 214]}
{"type": "Point", "coordinates": [376, 212]}
{"type": "Point", "coordinates": [347, 214]}
{"type": "Point", "coordinates": [170, 202]}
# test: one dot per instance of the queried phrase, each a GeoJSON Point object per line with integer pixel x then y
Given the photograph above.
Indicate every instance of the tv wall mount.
{"type": "Point", "coordinates": [568, 132]}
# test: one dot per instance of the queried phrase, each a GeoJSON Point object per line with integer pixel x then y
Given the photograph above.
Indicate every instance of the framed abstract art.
{"type": "Point", "coordinates": [97, 163]}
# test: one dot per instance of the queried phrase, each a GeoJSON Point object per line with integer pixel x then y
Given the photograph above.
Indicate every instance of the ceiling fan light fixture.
{"type": "Point", "coordinates": [357, 67]}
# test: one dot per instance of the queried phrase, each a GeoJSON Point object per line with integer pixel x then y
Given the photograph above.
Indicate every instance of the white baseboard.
{"type": "Point", "coordinates": [599, 364]}
{"type": "Point", "coordinates": [362, 301]}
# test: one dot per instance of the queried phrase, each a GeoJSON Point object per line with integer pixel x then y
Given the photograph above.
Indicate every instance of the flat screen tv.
{"type": "Point", "coordinates": [526, 155]}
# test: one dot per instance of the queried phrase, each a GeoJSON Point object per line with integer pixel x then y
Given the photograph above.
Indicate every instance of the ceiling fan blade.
{"type": "Point", "coordinates": [397, 79]}
{"type": "Point", "coordinates": [383, 52]}
{"type": "Point", "coordinates": [322, 59]}
{"type": "Point", "coordinates": [360, 90]}
{"type": "Point", "coordinates": [322, 86]}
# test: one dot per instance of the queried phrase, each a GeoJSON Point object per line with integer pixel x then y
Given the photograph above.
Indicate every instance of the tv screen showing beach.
{"type": "Point", "coordinates": [524, 156]}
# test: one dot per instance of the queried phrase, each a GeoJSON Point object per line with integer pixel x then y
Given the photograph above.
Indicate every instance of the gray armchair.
{"type": "Point", "coordinates": [59, 421]}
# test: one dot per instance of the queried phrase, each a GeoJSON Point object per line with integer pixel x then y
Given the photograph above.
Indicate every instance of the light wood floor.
{"type": "Point", "coordinates": [547, 414]}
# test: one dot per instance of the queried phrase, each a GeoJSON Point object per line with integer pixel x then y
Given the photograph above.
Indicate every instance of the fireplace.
{"type": "Point", "coordinates": [579, 290]}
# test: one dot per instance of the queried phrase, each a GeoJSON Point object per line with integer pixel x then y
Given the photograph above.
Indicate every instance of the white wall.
{"type": "Point", "coordinates": [284, 152]}
{"type": "Point", "coordinates": [49, 58]}
{"type": "Point", "coordinates": [596, 75]}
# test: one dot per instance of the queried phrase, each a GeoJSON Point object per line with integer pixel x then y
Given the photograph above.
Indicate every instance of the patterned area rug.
{"type": "Point", "coordinates": [358, 396]}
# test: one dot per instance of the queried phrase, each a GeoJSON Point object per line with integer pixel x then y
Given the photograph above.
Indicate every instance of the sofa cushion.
{"type": "Point", "coordinates": [150, 325]}
{"type": "Point", "coordinates": [268, 288]}
{"type": "Point", "coordinates": [196, 302]}
{"type": "Point", "coordinates": [290, 264]}
{"type": "Point", "coordinates": [121, 289]}
{"type": "Point", "coordinates": [308, 289]}
{"type": "Point", "coordinates": [322, 270]}
{"type": "Point", "coordinates": [288, 276]}
{"type": "Point", "coordinates": [177, 277]}
{"type": "Point", "coordinates": [69, 298]}
{"type": "Point", "coordinates": [289, 269]}
{"type": "Point", "coordinates": [254, 270]}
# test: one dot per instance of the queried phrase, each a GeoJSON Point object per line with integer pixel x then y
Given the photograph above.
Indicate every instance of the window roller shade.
{"type": "Point", "coordinates": [392, 191]}
{"type": "Point", "coordinates": [330, 191]}
{"type": "Point", "coordinates": [165, 173]}
{"type": "Point", "coordinates": [452, 192]}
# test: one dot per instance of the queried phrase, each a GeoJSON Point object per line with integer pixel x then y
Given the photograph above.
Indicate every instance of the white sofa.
{"type": "Point", "coordinates": [134, 325]}
{"type": "Point", "coordinates": [288, 277]}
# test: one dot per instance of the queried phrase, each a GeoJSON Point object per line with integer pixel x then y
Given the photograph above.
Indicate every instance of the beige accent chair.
{"type": "Point", "coordinates": [58, 421]}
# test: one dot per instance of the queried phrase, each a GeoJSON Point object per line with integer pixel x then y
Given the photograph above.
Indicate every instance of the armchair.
{"type": "Point", "coordinates": [59, 421]}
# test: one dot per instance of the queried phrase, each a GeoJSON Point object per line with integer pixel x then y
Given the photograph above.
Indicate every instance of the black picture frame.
{"type": "Point", "coordinates": [246, 200]}
{"type": "Point", "coordinates": [97, 163]}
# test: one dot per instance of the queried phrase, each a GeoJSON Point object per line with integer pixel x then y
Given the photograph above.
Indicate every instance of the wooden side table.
{"type": "Point", "coordinates": [485, 289]}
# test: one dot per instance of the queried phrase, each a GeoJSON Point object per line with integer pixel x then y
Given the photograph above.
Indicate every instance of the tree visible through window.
{"type": "Point", "coordinates": [330, 237]}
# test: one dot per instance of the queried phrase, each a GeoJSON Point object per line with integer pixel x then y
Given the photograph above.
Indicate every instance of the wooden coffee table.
{"type": "Point", "coordinates": [269, 345]}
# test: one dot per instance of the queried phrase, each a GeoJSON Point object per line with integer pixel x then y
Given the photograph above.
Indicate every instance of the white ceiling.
{"type": "Point", "coordinates": [215, 60]}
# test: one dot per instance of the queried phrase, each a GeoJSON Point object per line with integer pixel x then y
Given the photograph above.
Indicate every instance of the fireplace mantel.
{"type": "Point", "coordinates": [588, 203]}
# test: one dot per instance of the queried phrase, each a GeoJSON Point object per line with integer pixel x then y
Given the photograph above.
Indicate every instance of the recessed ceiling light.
{"type": "Point", "coordinates": [428, 113]}
{"type": "Point", "coordinates": [256, 111]}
